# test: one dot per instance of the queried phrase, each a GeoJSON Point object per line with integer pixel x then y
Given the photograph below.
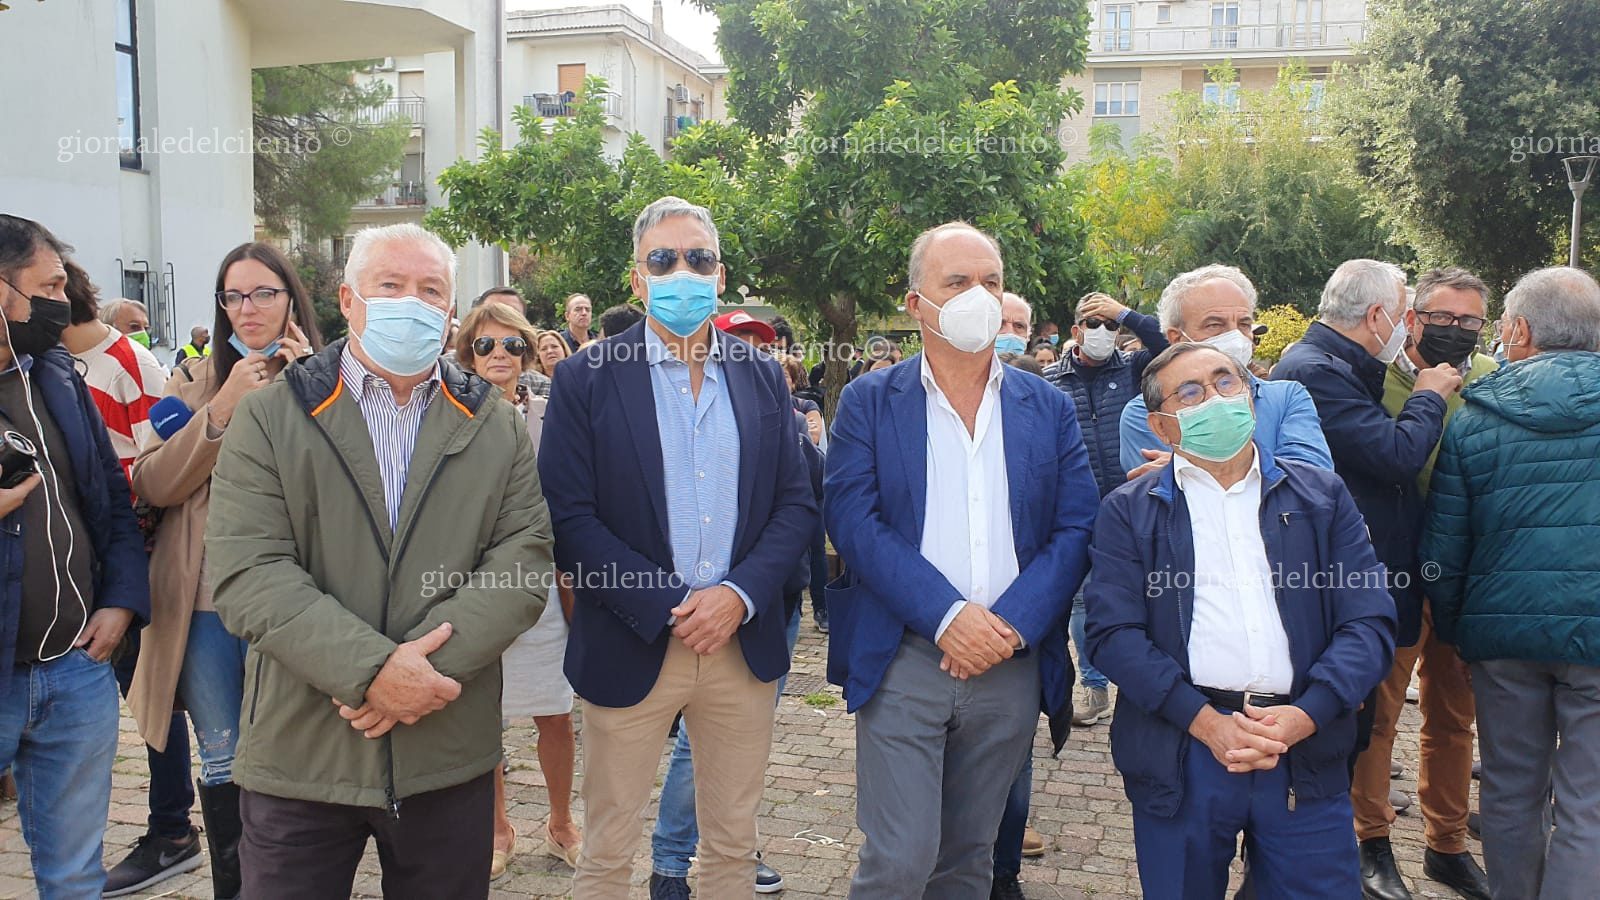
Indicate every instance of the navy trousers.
{"type": "Point", "coordinates": [1307, 853]}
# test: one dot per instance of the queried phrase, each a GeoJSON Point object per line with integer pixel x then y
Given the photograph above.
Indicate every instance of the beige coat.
{"type": "Point", "coordinates": [175, 474]}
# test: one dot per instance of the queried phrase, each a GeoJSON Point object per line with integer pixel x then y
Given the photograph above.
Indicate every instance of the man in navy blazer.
{"type": "Point", "coordinates": [959, 496]}
{"type": "Point", "coordinates": [680, 503]}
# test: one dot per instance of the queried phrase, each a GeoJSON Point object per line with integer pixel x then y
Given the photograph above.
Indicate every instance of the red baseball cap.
{"type": "Point", "coordinates": [739, 320]}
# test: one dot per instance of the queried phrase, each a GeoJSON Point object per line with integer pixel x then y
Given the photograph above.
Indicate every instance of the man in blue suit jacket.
{"type": "Point", "coordinates": [960, 498]}
{"type": "Point", "coordinates": [680, 503]}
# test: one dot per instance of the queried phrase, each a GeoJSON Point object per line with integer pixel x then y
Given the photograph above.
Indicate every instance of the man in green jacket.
{"type": "Point", "coordinates": [378, 535]}
{"type": "Point", "coordinates": [1444, 324]}
{"type": "Point", "coordinates": [1513, 526]}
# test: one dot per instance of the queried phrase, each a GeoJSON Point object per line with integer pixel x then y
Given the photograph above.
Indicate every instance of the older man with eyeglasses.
{"type": "Point", "coordinates": [1240, 609]}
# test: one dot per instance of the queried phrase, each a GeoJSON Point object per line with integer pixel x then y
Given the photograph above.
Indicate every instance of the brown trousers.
{"type": "Point", "coordinates": [304, 850]}
{"type": "Point", "coordinates": [729, 713]}
{"type": "Point", "coordinates": [1444, 782]}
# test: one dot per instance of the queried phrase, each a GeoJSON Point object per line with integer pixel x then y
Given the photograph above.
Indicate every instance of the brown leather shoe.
{"type": "Point", "coordinates": [1032, 843]}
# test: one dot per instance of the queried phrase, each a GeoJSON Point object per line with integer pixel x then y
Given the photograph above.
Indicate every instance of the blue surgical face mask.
{"type": "Point", "coordinates": [270, 350]}
{"type": "Point", "coordinates": [403, 335]}
{"type": "Point", "coordinates": [1009, 343]}
{"type": "Point", "coordinates": [1055, 340]}
{"type": "Point", "coordinates": [682, 301]}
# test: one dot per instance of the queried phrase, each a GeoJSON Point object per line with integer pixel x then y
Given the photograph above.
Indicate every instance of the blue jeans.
{"type": "Point", "coordinates": [171, 791]}
{"type": "Point", "coordinates": [212, 686]}
{"type": "Point", "coordinates": [1008, 843]}
{"type": "Point", "coordinates": [677, 832]}
{"type": "Point", "coordinates": [58, 733]}
{"type": "Point", "coordinates": [819, 572]}
{"type": "Point", "coordinates": [1089, 676]}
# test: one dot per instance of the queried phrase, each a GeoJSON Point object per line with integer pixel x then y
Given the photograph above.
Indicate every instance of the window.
{"type": "Point", "coordinates": [1116, 98]}
{"type": "Point", "coordinates": [1116, 24]}
{"type": "Point", "coordinates": [1307, 24]}
{"type": "Point", "coordinates": [1164, 14]}
{"type": "Point", "coordinates": [1224, 26]}
{"type": "Point", "coordinates": [128, 86]}
{"type": "Point", "coordinates": [1223, 95]}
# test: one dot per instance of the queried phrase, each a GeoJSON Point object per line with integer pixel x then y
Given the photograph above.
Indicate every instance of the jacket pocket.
{"type": "Point", "coordinates": [842, 594]}
{"type": "Point", "coordinates": [255, 688]}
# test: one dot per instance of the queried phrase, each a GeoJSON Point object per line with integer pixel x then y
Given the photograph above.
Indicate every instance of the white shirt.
{"type": "Point", "coordinates": [1237, 641]}
{"type": "Point", "coordinates": [966, 531]}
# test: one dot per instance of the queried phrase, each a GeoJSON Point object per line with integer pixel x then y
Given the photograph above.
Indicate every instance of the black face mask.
{"type": "Point", "coordinates": [43, 329]}
{"type": "Point", "coordinates": [1446, 344]}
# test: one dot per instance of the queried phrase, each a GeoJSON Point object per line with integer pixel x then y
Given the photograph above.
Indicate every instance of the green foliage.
{"type": "Point", "coordinates": [322, 279]}
{"type": "Point", "coordinates": [1451, 117]}
{"type": "Point", "coordinates": [314, 157]}
{"type": "Point", "coordinates": [1268, 193]}
{"type": "Point", "coordinates": [818, 201]}
{"type": "Point", "coordinates": [1131, 204]}
{"type": "Point", "coordinates": [1285, 325]}
{"type": "Point", "coordinates": [821, 700]}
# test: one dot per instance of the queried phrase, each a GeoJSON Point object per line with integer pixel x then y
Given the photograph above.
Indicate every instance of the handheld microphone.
{"type": "Point", "coordinates": [168, 415]}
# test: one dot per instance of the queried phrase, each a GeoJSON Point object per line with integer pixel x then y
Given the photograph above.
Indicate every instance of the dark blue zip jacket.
{"type": "Point", "coordinates": [1329, 586]}
{"type": "Point", "coordinates": [121, 568]}
{"type": "Point", "coordinates": [1100, 392]}
{"type": "Point", "coordinates": [1378, 455]}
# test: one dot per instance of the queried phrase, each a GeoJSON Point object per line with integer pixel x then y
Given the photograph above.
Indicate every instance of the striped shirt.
{"type": "Point", "coordinates": [393, 428]}
{"type": "Point", "coordinates": [125, 380]}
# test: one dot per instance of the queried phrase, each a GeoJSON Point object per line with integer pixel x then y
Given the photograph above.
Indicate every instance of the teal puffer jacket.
{"type": "Point", "coordinates": [1511, 557]}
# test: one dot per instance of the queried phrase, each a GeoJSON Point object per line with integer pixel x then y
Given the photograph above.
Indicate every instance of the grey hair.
{"type": "Point", "coordinates": [1017, 298]}
{"type": "Point", "coordinates": [1150, 386]}
{"type": "Point", "coordinates": [1170, 307]}
{"type": "Point", "coordinates": [1357, 286]}
{"type": "Point", "coordinates": [368, 239]}
{"type": "Point", "coordinates": [669, 207]}
{"type": "Point", "coordinates": [1562, 306]}
{"type": "Point", "coordinates": [919, 249]}
{"type": "Point", "coordinates": [1453, 278]}
{"type": "Point", "coordinates": [108, 312]}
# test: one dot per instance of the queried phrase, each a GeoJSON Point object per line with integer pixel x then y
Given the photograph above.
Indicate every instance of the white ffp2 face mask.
{"type": "Point", "coordinates": [1099, 343]}
{"type": "Point", "coordinates": [1396, 343]}
{"type": "Point", "coordinates": [969, 320]}
{"type": "Point", "coordinates": [1232, 342]}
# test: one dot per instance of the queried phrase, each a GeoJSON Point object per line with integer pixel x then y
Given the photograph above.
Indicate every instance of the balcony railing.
{"type": "Point", "coordinates": [672, 126]}
{"type": "Point", "coordinates": [409, 109]}
{"type": "Point", "coordinates": [560, 106]}
{"type": "Point", "coordinates": [398, 194]}
{"type": "Point", "coordinates": [1281, 37]}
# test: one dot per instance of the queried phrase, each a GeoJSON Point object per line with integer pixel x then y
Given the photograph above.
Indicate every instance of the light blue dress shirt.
{"type": "Point", "coordinates": [1287, 425]}
{"type": "Point", "coordinates": [700, 462]}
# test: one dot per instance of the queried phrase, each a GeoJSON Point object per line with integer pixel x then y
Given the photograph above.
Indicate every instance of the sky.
{"type": "Point", "coordinates": [684, 21]}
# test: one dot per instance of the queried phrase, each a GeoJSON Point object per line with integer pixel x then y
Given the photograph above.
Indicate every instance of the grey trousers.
{"type": "Point", "coordinates": [935, 759]}
{"type": "Point", "coordinates": [1538, 733]}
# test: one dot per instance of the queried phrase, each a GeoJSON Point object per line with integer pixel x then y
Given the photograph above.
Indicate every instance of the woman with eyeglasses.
{"type": "Point", "coordinates": [264, 321]}
{"type": "Point", "coordinates": [496, 343]}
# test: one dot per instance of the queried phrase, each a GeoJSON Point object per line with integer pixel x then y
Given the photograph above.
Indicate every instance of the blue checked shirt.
{"type": "Point", "coordinates": [700, 458]}
{"type": "Point", "coordinates": [393, 428]}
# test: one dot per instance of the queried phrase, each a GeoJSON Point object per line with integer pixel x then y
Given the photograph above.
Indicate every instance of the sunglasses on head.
{"type": "Point", "coordinates": [700, 260]}
{"type": "Point", "coordinates": [514, 345]}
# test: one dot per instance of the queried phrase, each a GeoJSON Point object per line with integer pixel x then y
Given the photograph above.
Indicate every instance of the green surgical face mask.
{"type": "Point", "coordinates": [1217, 429]}
{"type": "Point", "coordinates": [140, 337]}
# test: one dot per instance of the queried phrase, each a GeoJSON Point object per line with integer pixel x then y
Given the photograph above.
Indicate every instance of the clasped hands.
{"type": "Point", "coordinates": [407, 688]}
{"type": "Point", "coordinates": [707, 618]}
{"type": "Point", "coordinates": [1254, 739]}
{"type": "Point", "coordinates": [976, 640]}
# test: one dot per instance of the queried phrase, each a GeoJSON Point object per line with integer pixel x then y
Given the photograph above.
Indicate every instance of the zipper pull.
{"type": "Point", "coordinates": [1291, 801]}
{"type": "Point", "coordinates": [394, 802]}
{"type": "Point", "coordinates": [1284, 517]}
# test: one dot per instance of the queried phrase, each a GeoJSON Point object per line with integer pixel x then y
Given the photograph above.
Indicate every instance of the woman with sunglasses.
{"type": "Point", "coordinates": [264, 321]}
{"type": "Point", "coordinates": [496, 343]}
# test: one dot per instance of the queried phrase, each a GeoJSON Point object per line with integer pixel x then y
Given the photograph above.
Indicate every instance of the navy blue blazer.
{"type": "Point", "coordinates": [601, 467]}
{"type": "Point", "coordinates": [1139, 609]}
{"type": "Point", "coordinates": [875, 502]}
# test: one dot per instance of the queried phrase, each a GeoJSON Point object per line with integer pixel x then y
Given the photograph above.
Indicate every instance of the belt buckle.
{"type": "Point", "coordinates": [1247, 702]}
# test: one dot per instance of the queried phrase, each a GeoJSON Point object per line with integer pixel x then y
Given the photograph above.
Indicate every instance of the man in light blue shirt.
{"type": "Point", "coordinates": [1216, 305]}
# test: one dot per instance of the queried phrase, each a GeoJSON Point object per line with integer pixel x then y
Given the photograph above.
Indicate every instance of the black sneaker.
{"type": "Point", "coordinates": [664, 887]}
{"type": "Point", "coordinates": [768, 881]}
{"type": "Point", "coordinates": [1006, 887]}
{"type": "Point", "coordinates": [154, 858]}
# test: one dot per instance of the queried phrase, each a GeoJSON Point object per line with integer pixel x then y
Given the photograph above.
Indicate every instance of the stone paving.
{"type": "Point", "coordinates": [807, 817]}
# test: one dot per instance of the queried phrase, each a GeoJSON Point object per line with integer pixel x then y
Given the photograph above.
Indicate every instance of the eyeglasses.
{"type": "Point", "coordinates": [1470, 323]}
{"type": "Point", "coordinates": [262, 297]}
{"type": "Point", "coordinates": [514, 345]}
{"type": "Point", "coordinates": [661, 260]}
{"type": "Point", "coordinates": [1097, 323]}
{"type": "Point", "coordinates": [1193, 393]}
